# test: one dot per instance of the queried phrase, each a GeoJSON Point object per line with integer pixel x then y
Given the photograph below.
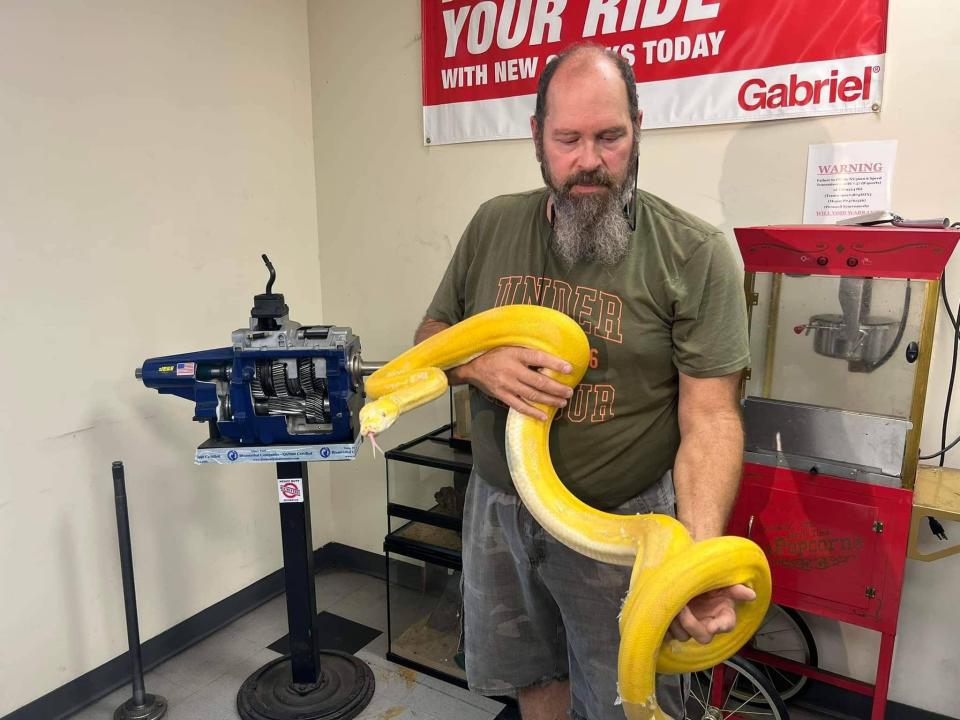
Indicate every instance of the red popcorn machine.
{"type": "Point", "coordinates": [841, 330]}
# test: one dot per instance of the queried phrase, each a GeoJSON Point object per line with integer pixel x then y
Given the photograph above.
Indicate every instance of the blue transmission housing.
{"type": "Point", "coordinates": [279, 383]}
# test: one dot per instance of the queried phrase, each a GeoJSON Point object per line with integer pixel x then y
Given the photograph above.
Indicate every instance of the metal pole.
{"type": "Point", "coordinates": [129, 591]}
{"type": "Point", "coordinates": [141, 705]}
{"type": "Point", "coordinates": [298, 577]}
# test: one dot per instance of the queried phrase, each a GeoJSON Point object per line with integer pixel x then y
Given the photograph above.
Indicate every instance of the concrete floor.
{"type": "Point", "coordinates": [202, 682]}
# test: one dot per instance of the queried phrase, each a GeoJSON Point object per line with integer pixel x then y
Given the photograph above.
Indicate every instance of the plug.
{"type": "Point", "coordinates": [936, 528]}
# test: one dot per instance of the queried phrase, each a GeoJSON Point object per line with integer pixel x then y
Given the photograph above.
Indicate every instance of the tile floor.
{"type": "Point", "coordinates": [202, 682]}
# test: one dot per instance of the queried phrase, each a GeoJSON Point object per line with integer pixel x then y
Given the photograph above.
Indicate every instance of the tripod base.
{"type": "Point", "coordinates": [154, 707]}
{"type": "Point", "coordinates": [343, 689]}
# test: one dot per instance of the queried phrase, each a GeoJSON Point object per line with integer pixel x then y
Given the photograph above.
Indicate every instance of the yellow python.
{"type": "Point", "coordinates": [668, 567]}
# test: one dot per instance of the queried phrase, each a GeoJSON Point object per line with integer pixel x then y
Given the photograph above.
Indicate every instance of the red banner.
{"type": "Point", "coordinates": [696, 61]}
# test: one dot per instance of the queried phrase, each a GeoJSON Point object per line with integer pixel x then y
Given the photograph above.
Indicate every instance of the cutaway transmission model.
{"type": "Point", "coordinates": [279, 382]}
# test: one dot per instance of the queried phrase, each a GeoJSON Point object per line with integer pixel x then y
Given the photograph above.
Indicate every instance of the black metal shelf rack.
{"type": "Point", "coordinates": [423, 553]}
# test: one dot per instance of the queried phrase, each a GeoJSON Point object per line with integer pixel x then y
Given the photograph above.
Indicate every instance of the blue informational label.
{"type": "Point", "coordinates": [277, 453]}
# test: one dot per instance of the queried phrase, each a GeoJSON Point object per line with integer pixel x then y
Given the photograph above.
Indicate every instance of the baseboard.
{"type": "Point", "coordinates": [336, 555]}
{"type": "Point", "coordinates": [101, 681]}
{"type": "Point", "coordinates": [846, 705]}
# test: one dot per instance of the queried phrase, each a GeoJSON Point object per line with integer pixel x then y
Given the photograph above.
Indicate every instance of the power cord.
{"type": "Point", "coordinates": [953, 375]}
{"type": "Point", "coordinates": [935, 527]}
{"type": "Point", "coordinates": [944, 447]}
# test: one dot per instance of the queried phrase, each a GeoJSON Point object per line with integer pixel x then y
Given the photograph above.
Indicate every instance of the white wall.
{"type": "Point", "coordinates": [149, 152]}
{"type": "Point", "coordinates": [391, 212]}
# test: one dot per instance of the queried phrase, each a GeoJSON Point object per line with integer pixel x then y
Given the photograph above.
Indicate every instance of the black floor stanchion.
{"type": "Point", "coordinates": [142, 706]}
{"type": "Point", "coordinates": [310, 683]}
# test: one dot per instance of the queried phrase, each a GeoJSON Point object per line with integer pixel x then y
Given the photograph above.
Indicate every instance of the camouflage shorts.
{"type": "Point", "coordinates": [536, 611]}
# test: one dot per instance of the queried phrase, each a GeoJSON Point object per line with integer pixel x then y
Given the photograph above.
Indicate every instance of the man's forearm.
{"type": "Point", "coordinates": [707, 473]}
{"type": "Point", "coordinates": [429, 328]}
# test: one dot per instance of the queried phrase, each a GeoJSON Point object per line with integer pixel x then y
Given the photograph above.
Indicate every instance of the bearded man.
{"type": "Point", "coordinates": [653, 427]}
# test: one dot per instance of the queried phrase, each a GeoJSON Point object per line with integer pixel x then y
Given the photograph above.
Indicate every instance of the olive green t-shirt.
{"type": "Point", "coordinates": [674, 304]}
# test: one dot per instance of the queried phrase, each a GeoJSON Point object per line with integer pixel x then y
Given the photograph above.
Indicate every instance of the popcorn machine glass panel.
{"type": "Point", "coordinates": [837, 342]}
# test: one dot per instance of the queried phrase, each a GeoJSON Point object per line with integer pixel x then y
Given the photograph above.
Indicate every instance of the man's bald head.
{"type": "Point", "coordinates": [583, 58]}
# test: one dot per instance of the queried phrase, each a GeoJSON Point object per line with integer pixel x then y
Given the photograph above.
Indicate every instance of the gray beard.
{"type": "Point", "coordinates": [591, 228]}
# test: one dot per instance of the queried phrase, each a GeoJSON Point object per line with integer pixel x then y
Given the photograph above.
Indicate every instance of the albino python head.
{"type": "Point", "coordinates": [377, 416]}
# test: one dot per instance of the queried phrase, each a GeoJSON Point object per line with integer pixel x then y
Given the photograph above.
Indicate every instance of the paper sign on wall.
{"type": "Point", "coordinates": [845, 180]}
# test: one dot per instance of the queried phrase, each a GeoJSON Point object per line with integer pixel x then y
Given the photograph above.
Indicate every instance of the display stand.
{"type": "Point", "coordinates": [310, 683]}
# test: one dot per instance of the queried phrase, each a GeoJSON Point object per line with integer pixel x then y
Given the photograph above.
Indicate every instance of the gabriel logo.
{"type": "Point", "coordinates": [290, 490]}
{"type": "Point", "coordinates": [755, 94]}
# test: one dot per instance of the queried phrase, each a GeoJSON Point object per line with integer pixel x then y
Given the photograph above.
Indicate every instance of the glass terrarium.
{"type": "Point", "coordinates": [425, 615]}
{"type": "Point", "coordinates": [426, 484]}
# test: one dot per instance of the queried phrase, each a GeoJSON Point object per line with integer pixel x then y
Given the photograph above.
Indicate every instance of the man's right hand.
{"type": "Point", "coordinates": [510, 374]}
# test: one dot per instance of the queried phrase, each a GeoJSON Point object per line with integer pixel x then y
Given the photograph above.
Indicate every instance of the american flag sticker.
{"type": "Point", "coordinates": [186, 369]}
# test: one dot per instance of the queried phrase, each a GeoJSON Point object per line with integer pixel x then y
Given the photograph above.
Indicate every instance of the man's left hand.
{"type": "Point", "coordinates": [711, 613]}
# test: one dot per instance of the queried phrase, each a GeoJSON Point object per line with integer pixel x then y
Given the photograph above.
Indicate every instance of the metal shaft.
{"type": "Point", "coordinates": [369, 368]}
{"type": "Point", "coordinates": [360, 368]}
{"type": "Point", "coordinates": [129, 592]}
